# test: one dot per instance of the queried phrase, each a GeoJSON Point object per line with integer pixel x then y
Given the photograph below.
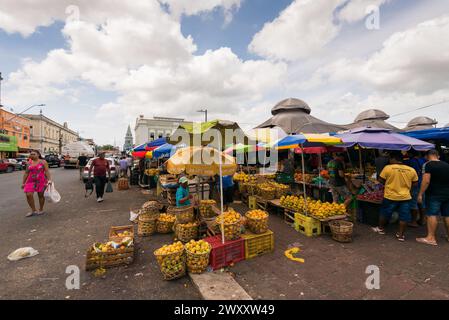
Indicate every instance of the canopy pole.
{"type": "Point", "coordinates": [221, 191]}
{"type": "Point", "coordinates": [303, 178]}
{"type": "Point", "coordinates": [320, 168]}
{"type": "Point", "coordinates": [360, 159]}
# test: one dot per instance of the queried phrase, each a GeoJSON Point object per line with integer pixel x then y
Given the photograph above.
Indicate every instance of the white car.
{"type": "Point", "coordinates": [113, 164]}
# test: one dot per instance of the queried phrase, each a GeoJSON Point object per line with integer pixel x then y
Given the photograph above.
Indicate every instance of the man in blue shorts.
{"type": "Point", "coordinates": [398, 180]}
{"type": "Point", "coordinates": [435, 186]}
{"type": "Point", "coordinates": [418, 209]}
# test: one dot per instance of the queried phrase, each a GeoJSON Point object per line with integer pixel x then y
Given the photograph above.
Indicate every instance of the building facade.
{"type": "Point", "coordinates": [48, 136]}
{"type": "Point", "coordinates": [16, 126]}
{"type": "Point", "coordinates": [150, 129]}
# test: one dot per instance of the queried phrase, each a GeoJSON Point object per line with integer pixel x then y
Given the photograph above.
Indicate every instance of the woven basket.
{"type": "Point", "coordinates": [206, 210]}
{"type": "Point", "coordinates": [251, 188]}
{"type": "Point", "coordinates": [183, 214]}
{"type": "Point", "coordinates": [147, 225]}
{"type": "Point", "coordinates": [341, 230]}
{"type": "Point", "coordinates": [122, 184]}
{"type": "Point", "coordinates": [164, 226]}
{"type": "Point", "coordinates": [257, 226]}
{"type": "Point", "coordinates": [282, 191]}
{"type": "Point", "coordinates": [267, 194]}
{"type": "Point", "coordinates": [172, 266]}
{"type": "Point", "coordinates": [185, 233]}
{"type": "Point", "coordinates": [231, 231]}
{"type": "Point", "coordinates": [151, 207]}
{"type": "Point", "coordinates": [198, 262]}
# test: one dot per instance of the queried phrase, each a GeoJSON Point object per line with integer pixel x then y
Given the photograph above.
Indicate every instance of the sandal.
{"type": "Point", "coordinates": [39, 213]}
{"type": "Point", "coordinates": [400, 238]}
{"type": "Point", "coordinates": [30, 214]}
{"type": "Point", "coordinates": [425, 241]}
{"type": "Point", "coordinates": [378, 230]}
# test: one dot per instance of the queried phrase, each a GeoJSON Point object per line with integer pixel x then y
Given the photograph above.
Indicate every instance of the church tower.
{"type": "Point", "coordinates": [128, 140]}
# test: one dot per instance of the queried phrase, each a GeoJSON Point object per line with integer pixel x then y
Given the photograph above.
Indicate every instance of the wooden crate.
{"type": "Point", "coordinates": [113, 231]}
{"type": "Point", "coordinates": [110, 259]}
{"type": "Point", "coordinates": [289, 217]}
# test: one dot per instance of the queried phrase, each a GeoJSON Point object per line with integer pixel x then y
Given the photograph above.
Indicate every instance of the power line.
{"type": "Point", "coordinates": [420, 108]}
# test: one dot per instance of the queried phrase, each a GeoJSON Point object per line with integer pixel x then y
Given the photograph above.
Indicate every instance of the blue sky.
{"type": "Point", "coordinates": [340, 68]}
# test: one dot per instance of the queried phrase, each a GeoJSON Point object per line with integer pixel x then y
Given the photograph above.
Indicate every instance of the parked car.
{"type": "Point", "coordinates": [17, 164]}
{"type": "Point", "coordinates": [23, 162]}
{"type": "Point", "coordinates": [53, 160]}
{"type": "Point", "coordinates": [113, 164]}
{"type": "Point", "coordinates": [6, 166]}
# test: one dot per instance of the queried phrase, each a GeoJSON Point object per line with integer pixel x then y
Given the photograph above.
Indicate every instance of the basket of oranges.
{"type": "Point", "coordinates": [165, 223]}
{"type": "Point", "coordinates": [172, 260]}
{"type": "Point", "coordinates": [186, 231]}
{"type": "Point", "coordinates": [232, 224]}
{"type": "Point", "coordinates": [206, 211]}
{"type": "Point", "coordinates": [257, 221]}
{"type": "Point", "coordinates": [146, 225]}
{"type": "Point", "coordinates": [184, 214]}
{"type": "Point", "coordinates": [198, 253]}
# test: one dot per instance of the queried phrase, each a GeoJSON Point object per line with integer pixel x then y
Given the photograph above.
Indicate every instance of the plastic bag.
{"type": "Point", "coordinates": [51, 194]}
{"type": "Point", "coordinates": [133, 216]}
{"type": "Point", "coordinates": [109, 187]}
{"type": "Point", "coordinates": [22, 253]}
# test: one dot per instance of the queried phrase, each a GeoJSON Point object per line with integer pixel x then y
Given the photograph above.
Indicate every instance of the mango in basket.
{"type": "Point", "coordinates": [198, 247]}
{"type": "Point", "coordinates": [170, 248]}
{"type": "Point", "coordinates": [164, 217]}
{"type": "Point", "coordinates": [257, 214]}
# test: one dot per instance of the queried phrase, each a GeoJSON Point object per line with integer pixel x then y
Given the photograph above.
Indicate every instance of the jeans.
{"type": "Point", "coordinates": [100, 183]}
{"type": "Point", "coordinates": [402, 207]}
{"type": "Point", "coordinates": [437, 206]}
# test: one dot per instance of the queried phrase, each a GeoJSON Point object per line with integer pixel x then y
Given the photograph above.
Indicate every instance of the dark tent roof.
{"type": "Point", "coordinates": [293, 116]}
{"type": "Point", "coordinates": [420, 123]}
{"type": "Point", "coordinates": [372, 118]}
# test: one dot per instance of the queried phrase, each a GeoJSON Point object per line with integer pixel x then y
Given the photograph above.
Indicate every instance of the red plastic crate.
{"type": "Point", "coordinates": [222, 255]}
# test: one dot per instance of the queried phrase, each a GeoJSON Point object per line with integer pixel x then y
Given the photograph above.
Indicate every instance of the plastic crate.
{"type": "Point", "coordinates": [258, 244]}
{"type": "Point", "coordinates": [252, 202]}
{"type": "Point", "coordinates": [222, 255]}
{"type": "Point", "coordinates": [308, 226]}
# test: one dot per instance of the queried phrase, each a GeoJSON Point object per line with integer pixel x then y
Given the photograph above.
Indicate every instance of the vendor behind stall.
{"type": "Point", "coordinates": [182, 194]}
{"type": "Point", "coordinates": [337, 180]}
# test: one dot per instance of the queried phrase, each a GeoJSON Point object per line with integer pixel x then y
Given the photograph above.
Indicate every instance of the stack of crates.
{"type": "Point", "coordinates": [258, 244]}
{"type": "Point", "coordinates": [223, 255]}
{"type": "Point", "coordinates": [308, 226]}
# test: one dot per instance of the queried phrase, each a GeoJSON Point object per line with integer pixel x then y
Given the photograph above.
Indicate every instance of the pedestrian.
{"type": "Point", "coordinates": [100, 166]}
{"type": "Point", "coordinates": [398, 179]}
{"type": "Point", "coordinates": [337, 181]}
{"type": "Point", "coordinates": [182, 193]}
{"type": "Point", "coordinates": [228, 191]}
{"type": "Point", "coordinates": [435, 187]}
{"type": "Point", "coordinates": [130, 164]}
{"type": "Point", "coordinates": [416, 161]}
{"type": "Point", "coordinates": [81, 164]}
{"type": "Point", "coordinates": [123, 167]}
{"type": "Point", "coordinates": [381, 162]}
{"type": "Point", "coordinates": [36, 179]}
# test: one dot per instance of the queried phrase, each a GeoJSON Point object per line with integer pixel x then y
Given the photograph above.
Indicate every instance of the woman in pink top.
{"type": "Point", "coordinates": [36, 179]}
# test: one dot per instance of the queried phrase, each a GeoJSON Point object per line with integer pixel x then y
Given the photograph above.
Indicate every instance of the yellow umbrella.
{"type": "Point", "coordinates": [201, 161]}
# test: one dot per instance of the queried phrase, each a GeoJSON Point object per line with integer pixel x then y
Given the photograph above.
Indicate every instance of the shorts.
{"type": "Point", "coordinates": [228, 195]}
{"type": "Point", "coordinates": [401, 207]}
{"type": "Point", "coordinates": [342, 191]}
{"type": "Point", "coordinates": [414, 202]}
{"type": "Point", "coordinates": [437, 206]}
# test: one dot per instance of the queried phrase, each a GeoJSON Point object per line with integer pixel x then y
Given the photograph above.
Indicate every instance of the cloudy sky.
{"type": "Point", "coordinates": [99, 64]}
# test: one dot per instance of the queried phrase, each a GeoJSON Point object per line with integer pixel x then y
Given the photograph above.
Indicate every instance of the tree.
{"type": "Point", "coordinates": [106, 147]}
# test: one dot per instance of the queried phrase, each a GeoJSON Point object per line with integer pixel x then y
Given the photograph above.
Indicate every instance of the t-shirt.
{"type": "Point", "coordinates": [181, 193]}
{"type": "Point", "coordinates": [101, 166]}
{"type": "Point", "coordinates": [227, 182]}
{"type": "Point", "coordinates": [123, 164]}
{"type": "Point", "coordinates": [82, 161]}
{"type": "Point", "coordinates": [439, 179]}
{"type": "Point", "coordinates": [334, 167]}
{"type": "Point", "coordinates": [399, 179]}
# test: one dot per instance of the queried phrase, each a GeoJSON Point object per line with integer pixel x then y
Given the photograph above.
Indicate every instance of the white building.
{"type": "Point", "coordinates": [150, 129]}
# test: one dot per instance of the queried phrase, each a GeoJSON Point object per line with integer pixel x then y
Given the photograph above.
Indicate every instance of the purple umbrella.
{"type": "Point", "coordinates": [378, 138]}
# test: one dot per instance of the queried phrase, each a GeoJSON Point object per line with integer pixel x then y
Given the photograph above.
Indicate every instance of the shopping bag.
{"type": "Point", "coordinates": [51, 194]}
{"type": "Point", "coordinates": [89, 188]}
{"type": "Point", "coordinates": [109, 187]}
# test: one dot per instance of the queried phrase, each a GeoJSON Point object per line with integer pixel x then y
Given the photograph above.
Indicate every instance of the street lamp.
{"type": "Point", "coordinates": [205, 113]}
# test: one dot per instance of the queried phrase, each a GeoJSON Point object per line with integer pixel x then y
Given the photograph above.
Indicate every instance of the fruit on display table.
{"type": "Point", "coordinates": [240, 176]}
{"type": "Point", "coordinates": [318, 209]}
{"type": "Point", "coordinates": [307, 177]}
{"type": "Point", "coordinates": [152, 172]}
{"type": "Point", "coordinates": [294, 203]}
{"type": "Point", "coordinates": [257, 221]}
{"type": "Point", "coordinates": [376, 196]}
{"type": "Point", "coordinates": [112, 246]}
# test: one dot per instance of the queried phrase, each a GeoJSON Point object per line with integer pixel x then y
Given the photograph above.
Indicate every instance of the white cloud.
{"type": "Point", "coordinates": [189, 7]}
{"type": "Point", "coordinates": [300, 31]}
{"type": "Point", "coordinates": [355, 10]}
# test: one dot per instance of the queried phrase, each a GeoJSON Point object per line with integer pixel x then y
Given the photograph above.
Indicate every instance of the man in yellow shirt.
{"type": "Point", "coordinates": [398, 179]}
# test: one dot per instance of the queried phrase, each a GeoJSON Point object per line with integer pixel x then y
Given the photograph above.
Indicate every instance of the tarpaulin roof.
{"type": "Point", "coordinates": [378, 138]}
{"type": "Point", "coordinates": [430, 134]}
{"type": "Point", "coordinates": [293, 116]}
{"type": "Point", "coordinates": [372, 118]}
{"type": "Point", "coordinates": [421, 123]}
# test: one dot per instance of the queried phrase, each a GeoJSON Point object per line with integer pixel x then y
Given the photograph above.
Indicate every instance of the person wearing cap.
{"type": "Point", "coordinates": [182, 193]}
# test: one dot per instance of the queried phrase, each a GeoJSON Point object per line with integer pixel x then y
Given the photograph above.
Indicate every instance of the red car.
{"type": "Point", "coordinates": [6, 166]}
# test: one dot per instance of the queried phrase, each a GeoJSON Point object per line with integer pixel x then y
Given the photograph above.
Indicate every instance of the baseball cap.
{"type": "Point", "coordinates": [183, 180]}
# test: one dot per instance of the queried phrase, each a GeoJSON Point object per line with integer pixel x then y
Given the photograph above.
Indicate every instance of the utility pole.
{"type": "Point", "coordinates": [205, 113]}
{"type": "Point", "coordinates": [41, 133]}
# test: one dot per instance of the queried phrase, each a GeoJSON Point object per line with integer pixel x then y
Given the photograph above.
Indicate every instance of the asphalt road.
{"type": "Point", "coordinates": [62, 237]}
